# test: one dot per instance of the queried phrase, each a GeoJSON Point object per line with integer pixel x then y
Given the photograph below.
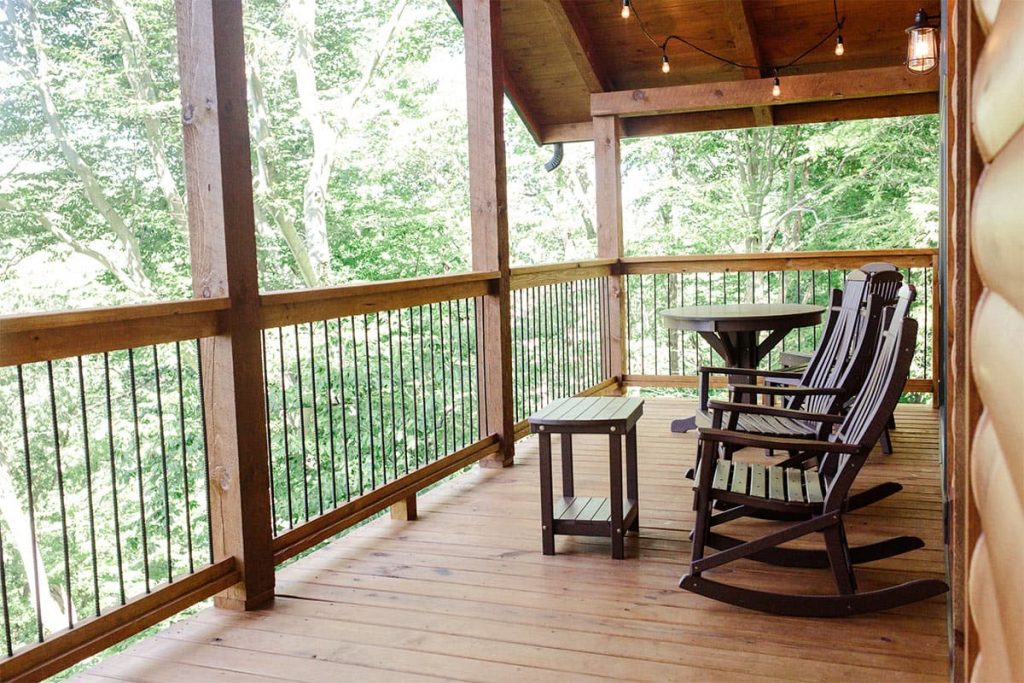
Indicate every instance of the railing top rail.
{"type": "Point", "coordinates": [792, 260]}
{"type": "Point", "coordinates": [560, 267]}
{"type": "Point", "coordinates": [49, 336]}
{"type": "Point", "coordinates": [25, 322]}
{"type": "Point", "coordinates": [290, 296]}
{"type": "Point", "coordinates": [307, 305]}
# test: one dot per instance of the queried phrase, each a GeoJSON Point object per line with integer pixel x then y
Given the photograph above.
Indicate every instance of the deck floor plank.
{"type": "Point", "coordinates": [464, 593]}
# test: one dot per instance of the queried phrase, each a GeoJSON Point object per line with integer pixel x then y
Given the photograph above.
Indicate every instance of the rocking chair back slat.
{"type": "Point", "coordinates": [840, 360]}
{"type": "Point", "coordinates": [869, 413]}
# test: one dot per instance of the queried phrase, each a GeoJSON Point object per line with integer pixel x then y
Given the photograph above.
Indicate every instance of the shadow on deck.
{"type": "Point", "coordinates": [465, 593]}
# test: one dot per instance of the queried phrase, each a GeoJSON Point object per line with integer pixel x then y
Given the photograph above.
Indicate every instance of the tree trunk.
{"type": "Point", "coordinates": [16, 520]}
{"type": "Point", "coordinates": [132, 258]}
{"type": "Point", "coordinates": [325, 134]}
{"type": "Point", "coordinates": [266, 205]}
{"type": "Point", "coordinates": [133, 56]}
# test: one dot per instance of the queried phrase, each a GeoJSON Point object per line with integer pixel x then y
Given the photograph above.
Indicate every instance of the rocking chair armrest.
{"type": "Point", "coordinates": [755, 409]}
{"type": "Point", "coordinates": [787, 390]}
{"type": "Point", "coordinates": [746, 372]}
{"type": "Point", "coordinates": [775, 442]}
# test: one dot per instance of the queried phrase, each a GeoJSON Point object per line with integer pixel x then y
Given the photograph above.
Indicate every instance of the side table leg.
{"type": "Point", "coordinates": [615, 471]}
{"type": "Point", "coordinates": [567, 476]}
{"type": "Point", "coordinates": [632, 485]}
{"type": "Point", "coordinates": [547, 520]}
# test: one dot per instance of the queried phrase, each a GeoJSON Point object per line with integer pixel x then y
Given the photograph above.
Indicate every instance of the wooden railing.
{"type": "Point", "coordinates": [670, 358]}
{"type": "Point", "coordinates": [371, 392]}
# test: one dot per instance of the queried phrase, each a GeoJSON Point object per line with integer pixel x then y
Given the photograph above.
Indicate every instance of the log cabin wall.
{"type": "Point", "coordinates": [996, 458]}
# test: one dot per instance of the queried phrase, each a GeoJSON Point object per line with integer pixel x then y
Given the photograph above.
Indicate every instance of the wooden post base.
{"type": "Point", "coordinates": [404, 510]}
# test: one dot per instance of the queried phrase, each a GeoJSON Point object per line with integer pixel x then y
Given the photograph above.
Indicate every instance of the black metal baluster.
{"type": "Point", "coordinates": [391, 390]}
{"type": "Point", "coordinates": [330, 413]}
{"type": "Point", "coordinates": [69, 609]}
{"type": "Point", "coordinates": [184, 450]}
{"type": "Point", "coordinates": [926, 285]}
{"type": "Point", "coordinates": [138, 467]}
{"type": "Point", "coordinates": [31, 503]}
{"type": "Point", "coordinates": [113, 477]}
{"type": "Point", "coordinates": [344, 411]}
{"type": "Point", "coordinates": [462, 379]}
{"type": "Point", "coordinates": [449, 352]}
{"type": "Point", "coordinates": [369, 402]}
{"type": "Point", "coordinates": [316, 420]}
{"type": "Point", "coordinates": [479, 342]}
{"type": "Point", "coordinates": [163, 462]}
{"type": "Point", "coordinates": [356, 402]}
{"type": "Point", "coordinates": [270, 436]}
{"type": "Point", "coordinates": [814, 299]}
{"type": "Point", "coordinates": [428, 432]}
{"type": "Point", "coordinates": [380, 403]}
{"type": "Point", "coordinates": [302, 422]}
{"type": "Point", "coordinates": [606, 318]}
{"type": "Point", "coordinates": [654, 321]}
{"type": "Point", "coordinates": [284, 423]}
{"type": "Point", "coordinates": [8, 643]}
{"type": "Point", "coordinates": [206, 449]}
{"type": "Point", "coordinates": [433, 385]}
{"type": "Point", "coordinates": [415, 390]}
{"type": "Point", "coordinates": [401, 381]}
{"type": "Point", "coordinates": [88, 488]}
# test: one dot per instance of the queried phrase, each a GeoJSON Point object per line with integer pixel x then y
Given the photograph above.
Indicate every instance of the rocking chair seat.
{"type": "Point", "coordinates": [741, 482]}
{"type": "Point", "coordinates": [769, 425]}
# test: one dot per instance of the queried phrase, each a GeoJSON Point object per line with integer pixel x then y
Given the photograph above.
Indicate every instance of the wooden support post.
{"type": "Point", "coordinates": [405, 509]}
{"type": "Point", "coordinates": [489, 216]}
{"type": "Point", "coordinates": [608, 183]}
{"type": "Point", "coordinates": [222, 232]}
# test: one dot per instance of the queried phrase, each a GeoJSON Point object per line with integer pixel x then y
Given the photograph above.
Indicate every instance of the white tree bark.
{"type": "Point", "coordinates": [325, 133]}
{"type": "Point", "coordinates": [131, 256]}
{"type": "Point", "coordinates": [16, 521]}
{"type": "Point", "coordinates": [268, 207]}
{"type": "Point", "coordinates": [133, 56]}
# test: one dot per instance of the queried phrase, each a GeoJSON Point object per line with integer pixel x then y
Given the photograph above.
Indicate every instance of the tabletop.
{"type": "Point", "coordinates": [742, 317]}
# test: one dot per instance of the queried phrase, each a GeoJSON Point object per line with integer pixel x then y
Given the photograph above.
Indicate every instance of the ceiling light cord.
{"type": "Point", "coordinates": [774, 68]}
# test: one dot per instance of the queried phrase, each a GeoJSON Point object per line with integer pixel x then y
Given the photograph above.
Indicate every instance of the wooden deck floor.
{"type": "Point", "coordinates": [465, 593]}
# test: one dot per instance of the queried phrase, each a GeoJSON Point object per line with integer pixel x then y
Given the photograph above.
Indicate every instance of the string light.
{"type": "Point", "coordinates": [628, 9]}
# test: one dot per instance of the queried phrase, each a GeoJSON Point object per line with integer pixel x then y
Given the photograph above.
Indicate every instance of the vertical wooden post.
{"type": "Point", "coordinates": [222, 233]}
{"type": "Point", "coordinates": [608, 186]}
{"type": "Point", "coordinates": [489, 214]}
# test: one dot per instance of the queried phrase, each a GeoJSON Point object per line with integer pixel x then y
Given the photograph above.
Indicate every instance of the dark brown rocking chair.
{"type": "Point", "coordinates": [815, 497]}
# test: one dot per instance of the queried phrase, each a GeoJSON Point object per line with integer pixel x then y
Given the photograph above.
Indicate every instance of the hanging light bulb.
{"type": "Point", "coordinates": [664, 64]}
{"type": "Point", "coordinates": [776, 89]}
{"type": "Point", "coordinates": [922, 45]}
{"type": "Point", "coordinates": [625, 9]}
{"type": "Point", "coordinates": [840, 49]}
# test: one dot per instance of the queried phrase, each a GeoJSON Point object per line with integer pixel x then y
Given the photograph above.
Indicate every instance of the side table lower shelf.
{"type": "Point", "coordinates": [591, 516]}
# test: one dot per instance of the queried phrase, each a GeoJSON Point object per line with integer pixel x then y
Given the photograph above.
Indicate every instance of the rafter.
{"type": "Point", "coordinates": [512, 90]}
{"type": "Point", "coordinates": [567, 21]}
{"type": "Point", "coordinates": [741, 24]}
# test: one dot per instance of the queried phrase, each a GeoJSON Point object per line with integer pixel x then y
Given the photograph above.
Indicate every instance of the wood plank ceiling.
{"type": "Point", "coordinates": [558, 52]}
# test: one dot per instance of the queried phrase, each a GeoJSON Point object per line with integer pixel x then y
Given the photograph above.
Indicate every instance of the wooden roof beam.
{"type": "Point", "coordinates": [784, 115]}
{"type": "Point", "coordinates": [567, 21]}
{"type": "Point", "coordinates": [819, 87]}
{"type": "Point", "coordinates": [744, 35]}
